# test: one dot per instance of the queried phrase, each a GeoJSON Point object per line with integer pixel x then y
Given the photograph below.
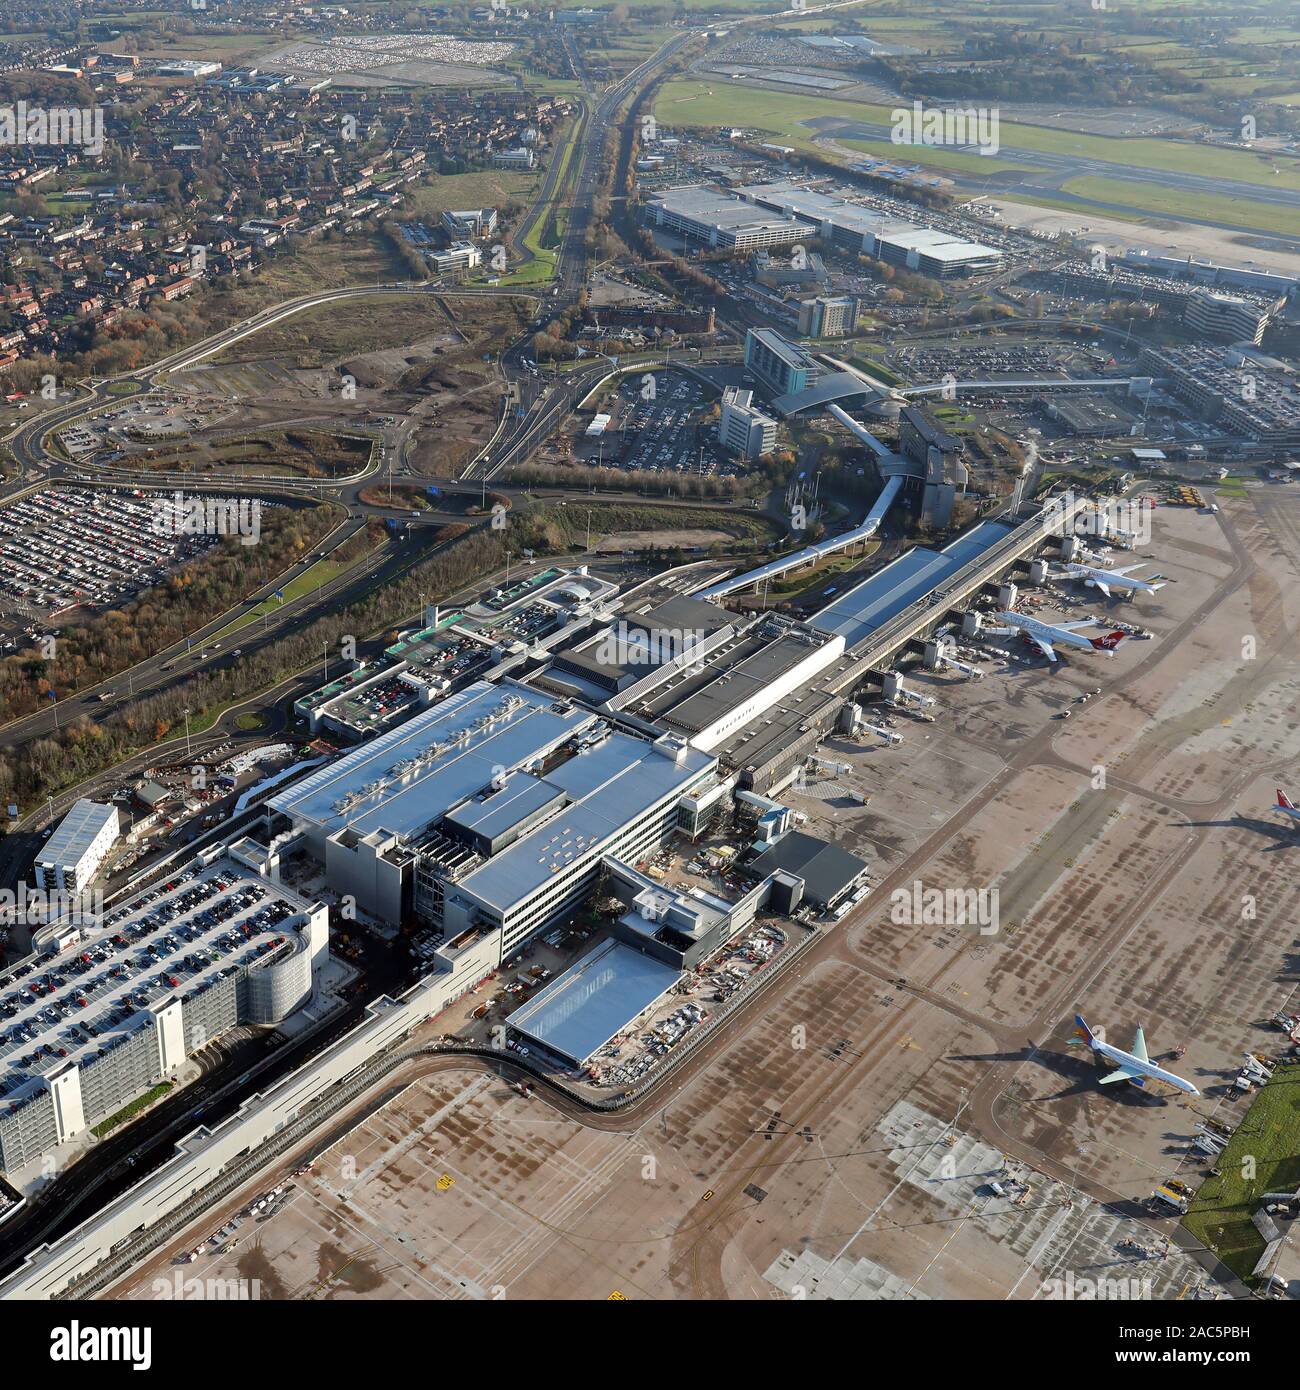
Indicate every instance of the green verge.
{"type": "Point", "coordinates": [128, 1112]}
{"type": "Point", "coordinates": [1262, 1156]}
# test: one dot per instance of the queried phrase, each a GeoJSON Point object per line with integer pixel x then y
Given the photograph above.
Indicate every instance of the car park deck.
{"type": "Point", "coordinates": [179, 937]}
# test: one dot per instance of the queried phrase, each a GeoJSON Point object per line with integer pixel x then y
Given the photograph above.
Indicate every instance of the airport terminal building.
{"type": "Point", "coordinates": [490, 812]}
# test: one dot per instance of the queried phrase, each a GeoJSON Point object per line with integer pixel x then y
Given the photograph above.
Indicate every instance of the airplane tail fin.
{"type": "Point", "coordinates": [1108, 643]}
{"type": "Point", "coordinates": [1082, 1031]}
{"type": "Point", "coordinates": [1284, 801]}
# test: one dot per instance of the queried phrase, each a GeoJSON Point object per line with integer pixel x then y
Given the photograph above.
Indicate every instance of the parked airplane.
{"type": "Point", "coordinates": [1133, 1066]}
{"type": "Point", "coordinates": [1106, 580]}
{"type": "Point", "coordinates": [1060, 634]}
{"type": "Point", "coordinates": [1287, 806]}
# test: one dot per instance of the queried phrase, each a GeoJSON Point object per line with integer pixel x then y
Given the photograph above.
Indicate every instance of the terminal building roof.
{"type": "Point", "coordinates": [856, 614]}
{"type": "Point", "coordinates": [577, 1014]}
{"type": "Point", "coordinates": [607, 787]}
{"type": "Point", "coordinates": [410, 776]}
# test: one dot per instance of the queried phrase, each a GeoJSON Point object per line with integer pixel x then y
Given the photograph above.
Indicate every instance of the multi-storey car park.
{"type": "Point", "coordinates": [86, 1029]}
{"type": "Point", "coordinates": [488, 640]}
{"type": "Point", "coordinates": [717, 219]}
{"type": "Point", "coordinates": [781, 213]}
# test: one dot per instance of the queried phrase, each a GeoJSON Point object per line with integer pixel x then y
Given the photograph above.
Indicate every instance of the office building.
{"type": "Point", "coordinates": [468, 223]}
{"type": "Point", "coordinates": [519, 158]}
{"type": "Point", "coordinates": [459, 256]}
{"type": "Point", "coordinates": [1227, 318]}
{"type": "Point", "coordinates": [743, 429]}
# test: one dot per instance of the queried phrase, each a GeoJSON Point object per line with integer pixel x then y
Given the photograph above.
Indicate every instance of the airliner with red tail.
{"type": "Point", "coordinates": [1049, 636]}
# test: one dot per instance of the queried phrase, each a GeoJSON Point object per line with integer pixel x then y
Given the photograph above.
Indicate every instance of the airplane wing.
{"type": "Point", "coordinates": [1123, 1074]}
{"type": "Point", "coordinates": [1046, 647]}
{"type": "Point", "coordinates": [1140, 1045]}
{"type": "Point", "coordinates": [1078, 622]}
{"type": "Point", "coordinates": [1102, 585]}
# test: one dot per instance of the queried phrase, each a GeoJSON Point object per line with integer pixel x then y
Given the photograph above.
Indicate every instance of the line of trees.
{"type": "Point", "coordinates": [86, 653]}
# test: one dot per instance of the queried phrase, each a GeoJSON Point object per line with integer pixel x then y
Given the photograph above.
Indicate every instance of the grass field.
{"type": "Point", "coordinates": [935, 158]}
{"type": "Point", "coordinates": [822, 572]}
{"type": "Point", "coordinates": [482, 189]}
{"type": "Point", "coordinates": [321, 573]}
{"type": "Point", "coordinates": [719, 103]}
{"type": "Point", "coordinates": [233, 49]}
{"type": "Point", "coordinates": [542, 266]}
{"type": "Point", "coordinates": [1176, 203]}
{"type": "Point", "coordinates": [322, 335]}
{"type": "Point", "coordinates": [1262, 1156]}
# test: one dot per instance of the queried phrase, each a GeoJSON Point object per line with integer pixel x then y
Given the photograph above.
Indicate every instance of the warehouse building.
{"type": "Point", "coordinates": [72, 856]}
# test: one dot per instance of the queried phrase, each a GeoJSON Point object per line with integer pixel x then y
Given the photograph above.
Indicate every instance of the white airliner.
{"type": "Point", "coordinates": [1050, 635]}
{"type": "Point", "coordinates": [1287, 806]}
{"type": "Point", "coordinates": [1106, 580]}
{"type": "Point", "coordinates": [1134, 1066]}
